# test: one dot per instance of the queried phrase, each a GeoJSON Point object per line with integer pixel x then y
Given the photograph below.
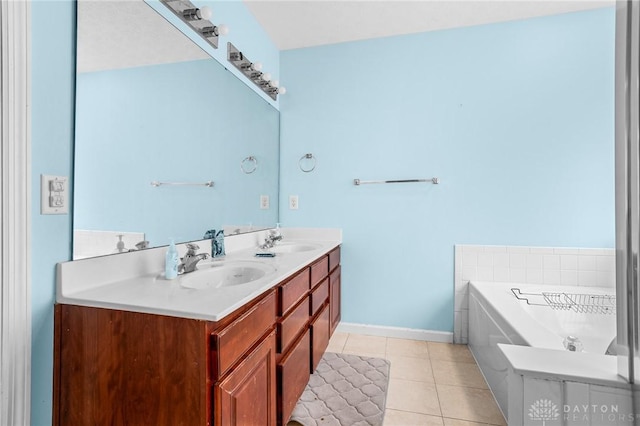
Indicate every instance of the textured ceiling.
{"type": "Point", "coordinates": [297, 24]}
{"type": "Point", "coordinates": [116, 34]}
{"type": "Point", "coordinates": [124, 34]}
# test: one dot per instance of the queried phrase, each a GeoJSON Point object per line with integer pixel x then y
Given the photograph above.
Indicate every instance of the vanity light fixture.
{"type": "Point", "coordinates": [253, 71]}
{"type": "Point", "coordinates": [198, 19]}
{"type": "Point", "coordinates": [195, 14]}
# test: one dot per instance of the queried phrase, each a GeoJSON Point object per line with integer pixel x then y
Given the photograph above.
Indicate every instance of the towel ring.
{"type": "Point", "coordinates": [307, 157]}
{"type": "Point", "coordinates": [247, 163]}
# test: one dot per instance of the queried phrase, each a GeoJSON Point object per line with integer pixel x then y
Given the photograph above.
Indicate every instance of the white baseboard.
{"type": "Point", "coordinates": [396, 332]}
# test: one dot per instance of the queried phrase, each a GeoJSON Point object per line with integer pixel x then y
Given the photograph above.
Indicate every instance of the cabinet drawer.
{"type": "Point", "coordinates": [319, 270]}
{"type": "Point", "coordinates": [319, 295]}
{"type": "Point", "coordinates": [334, 258]}
{"type": "Point", "coordinates": [319, 337]}
{"type": "Point", "coordinates": [239, 336]}
{"type": "Point", "coordinates": [292, 291]}
{"type": "Point", "coordinates": [290, 327]}
{"type": "Point", "coordinates": [293, 375]}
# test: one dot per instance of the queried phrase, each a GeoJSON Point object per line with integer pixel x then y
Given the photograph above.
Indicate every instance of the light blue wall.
{"type": "Point", "coordinates": [143, 124]}
{"type": "Point", "coordinates": [515, 118]}
{"type": "Point", "coordinates": [52, 74]}
{"type": "Point", "coordinates": [53, 70]}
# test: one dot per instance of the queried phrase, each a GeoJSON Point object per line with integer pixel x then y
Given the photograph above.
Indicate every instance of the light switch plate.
{"type": "Point", "coordinates": [54, 194]}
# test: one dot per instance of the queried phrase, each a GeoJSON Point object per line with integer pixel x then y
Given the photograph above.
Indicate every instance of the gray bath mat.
{"type": "Point", "coordinates": [344, 390]}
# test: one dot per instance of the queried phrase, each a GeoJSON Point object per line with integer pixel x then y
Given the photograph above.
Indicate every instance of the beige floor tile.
{"type": "Point", "coordinates": [336, 344]}
{"type": "Point", "coordinates": [472, 404]}
{"type": "Point", "coordinates": [450, 352]}
{"type": "Point", "coordinates": [407, 368]}
{"type": "Point", "coordinates": [417, 397]}
{"type": "Point", "coordinates": [338, 339]}
{"type": "Point", "coordinates": [405, 347]}
{"type": "Point", "coordinates": [368, 344]}
{"type": "Point", "coordinates": [405, 418]}
{"type": "Point", "coordinates": [458, 374]}
{"type": "Point", "coordinates": [456, 422]}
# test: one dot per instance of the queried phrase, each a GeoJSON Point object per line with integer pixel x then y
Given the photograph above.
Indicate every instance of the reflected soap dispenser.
{"type": "Point", "coordinates": [171, 261]}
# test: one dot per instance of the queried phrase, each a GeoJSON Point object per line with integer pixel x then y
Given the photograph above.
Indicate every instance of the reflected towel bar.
{"type": "Point", "coordinates": [157, 184]}
{"type": "Point", "coordinates": [434, 180]}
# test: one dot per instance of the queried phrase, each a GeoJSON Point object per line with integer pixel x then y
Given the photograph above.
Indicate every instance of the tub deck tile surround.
{"type": "Point", "coordinates": [530, 265]}
{"type": "Point", "coordinates": [430, 383]}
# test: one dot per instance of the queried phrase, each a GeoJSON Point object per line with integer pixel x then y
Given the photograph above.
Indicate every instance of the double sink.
{"type": "Point", "coordinates": [132, 281]}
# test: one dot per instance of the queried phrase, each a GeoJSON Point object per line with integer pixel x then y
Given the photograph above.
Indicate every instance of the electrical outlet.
{"type": "Point", "coordinates": [54, 194]}
{"type": "Point", "coordinates": [293, 202]}
{"type": "Point", "coordinates": [264, 202]}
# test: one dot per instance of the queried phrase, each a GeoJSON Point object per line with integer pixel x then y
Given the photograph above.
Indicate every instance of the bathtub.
{"type": "Point", "coordinates": [497, 316]}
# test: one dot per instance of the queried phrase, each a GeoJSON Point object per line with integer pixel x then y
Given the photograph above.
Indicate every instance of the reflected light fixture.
{"type": "Point", "coordinates": [195, 14]}
{"type": "Point", "coordinates": [253, 71]}
{"type": "Point", "coordinates": [198, 19]}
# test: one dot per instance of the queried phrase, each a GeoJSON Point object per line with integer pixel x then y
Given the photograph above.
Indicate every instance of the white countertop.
{"type": "Point", "coordinates": [134, 281]}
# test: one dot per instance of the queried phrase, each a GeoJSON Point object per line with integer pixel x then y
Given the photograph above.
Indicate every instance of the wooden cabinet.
{"type": "Point", "coordinates": [247, 396]}
{"type": "Point", "coordinates": [114, 367]}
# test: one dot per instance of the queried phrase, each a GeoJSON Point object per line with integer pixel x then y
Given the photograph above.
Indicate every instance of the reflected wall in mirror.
{"type": "Point", "coordinates": [152, 106]}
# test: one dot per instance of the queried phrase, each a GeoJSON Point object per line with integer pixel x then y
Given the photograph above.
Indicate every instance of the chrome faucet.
{"type": "Point", "coordinates": [271, 239]}
{"type": "Point", "coordinates": [191, 258]}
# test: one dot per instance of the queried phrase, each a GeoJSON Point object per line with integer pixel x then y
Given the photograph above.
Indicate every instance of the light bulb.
{"type": "Point", "coordinates": [205, 13]}
{"type": "Point", "coordinates": [266, 76]}
{"type": "Point", "coordinates": [282, 90]}
{"type": "Point", "coordinates": [275, 83]}
{"type": "Point", "coordinates": [223, 29]}
{"type": "Point", "coordinates": [257, 66]}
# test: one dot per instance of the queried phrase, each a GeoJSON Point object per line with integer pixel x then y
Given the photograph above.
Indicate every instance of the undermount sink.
{"type": "Point", "coordinates": [289, 247]}
{"type": "Point", "coordinates": [225, 275]}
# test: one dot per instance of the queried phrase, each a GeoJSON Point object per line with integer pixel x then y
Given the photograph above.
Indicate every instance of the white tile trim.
{"type": "Point", "coordinates": [522, 264]}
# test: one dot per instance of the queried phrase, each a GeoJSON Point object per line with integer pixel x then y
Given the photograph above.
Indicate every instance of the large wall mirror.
{"type": "Point", "coordinates": [151, 106]}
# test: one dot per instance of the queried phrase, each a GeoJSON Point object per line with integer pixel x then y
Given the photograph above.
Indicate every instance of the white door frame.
{"type": "Point", "coordinates": [15, 212]}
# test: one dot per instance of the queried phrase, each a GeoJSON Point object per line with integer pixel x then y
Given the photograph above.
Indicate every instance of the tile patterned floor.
{"type": "Point", "coordinates": [431, 384]}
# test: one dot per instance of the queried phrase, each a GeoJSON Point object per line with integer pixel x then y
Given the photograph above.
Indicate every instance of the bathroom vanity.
{"type": "Point", "coordinates": [245, 362]}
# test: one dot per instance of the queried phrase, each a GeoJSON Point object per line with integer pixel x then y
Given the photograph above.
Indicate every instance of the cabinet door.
{"type": "Point", "coordinates": [247, 395]}
{"type": "Point", "coordinates": [319, 337]}
{"type": "Point", "coordinates": [293, 371]}
{"type": "Point", "coordinates": [334, 295]}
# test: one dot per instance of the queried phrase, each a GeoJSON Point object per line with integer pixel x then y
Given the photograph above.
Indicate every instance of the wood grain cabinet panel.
{"type": "Point", "coordinates": [334, 258]}
{"type": "Point", "coordinates": [238, 337]}
{"type": "Point", "coordinates": [290, 327]}
{"type": "Point", "coordinates": [292, 291]}
{"type": "Point", "coordinates": [128, 368]}
{"type": "Point", "coordinates": [334, 295]}
{"type": "Point", "coordinates": [247, 396]}
{"type": "Point", "coordinates": [319, 296]}
{"type": "Point", "coordinates": [319, 270]}
{"type": "Point", "coordinates": [293, 376]}
{"type": "Point", "coordinates": [320, 333]}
